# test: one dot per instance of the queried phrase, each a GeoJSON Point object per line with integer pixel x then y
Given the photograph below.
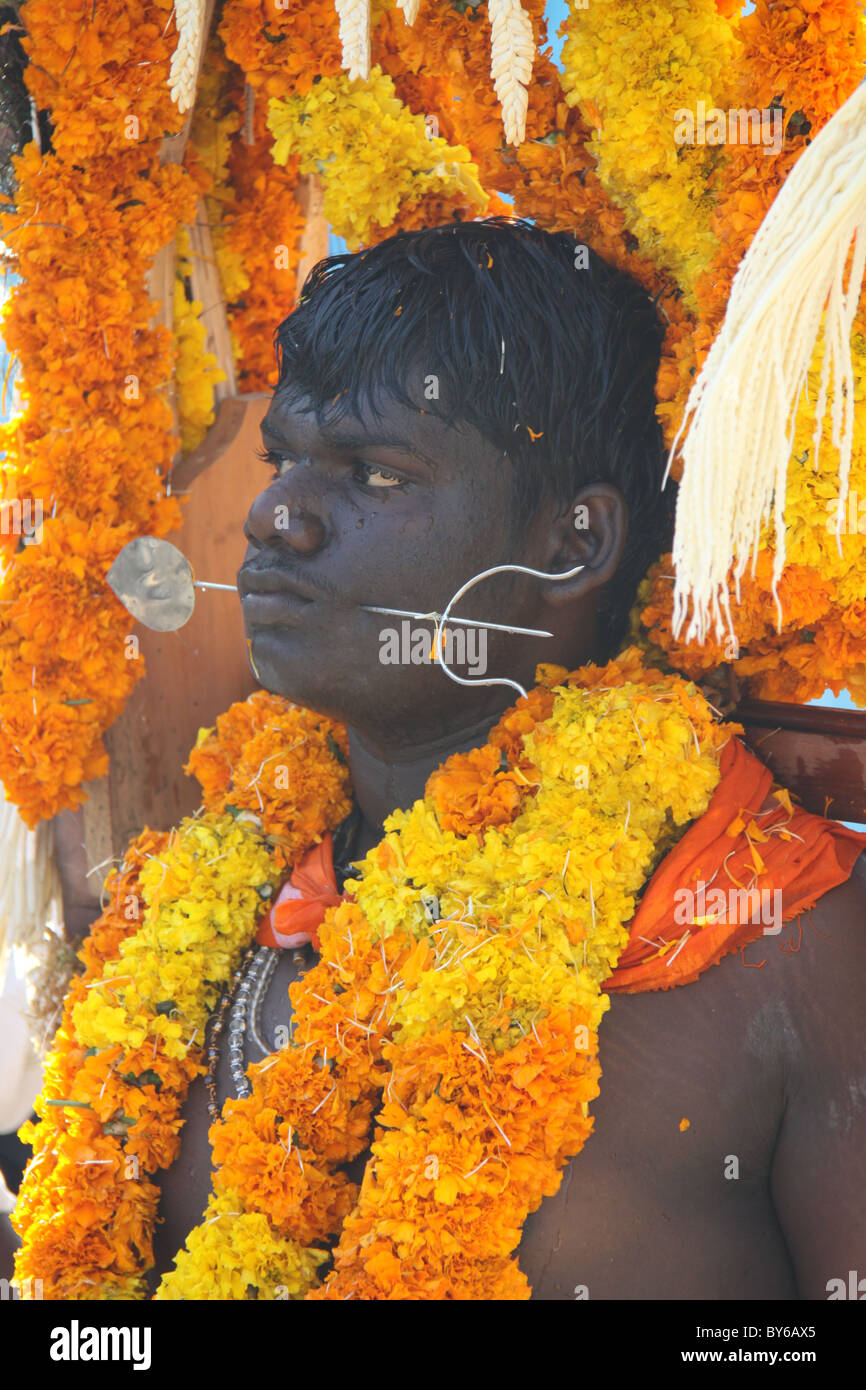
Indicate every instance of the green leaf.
{"type": "Point", "coordinates": [86, 701]}
{"type": "Point", "coordinates": [118, 1126]}
{"type": "Point", "coordinates": [336, 750]}
{"type": "Point", "coordinates": [166, 1006]}
{"type": "Point", "coordinates": [144, 1078]}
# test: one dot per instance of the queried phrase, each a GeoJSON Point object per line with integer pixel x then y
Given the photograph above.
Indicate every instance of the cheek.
{"type": "Point", "coordinates": [446, 537]}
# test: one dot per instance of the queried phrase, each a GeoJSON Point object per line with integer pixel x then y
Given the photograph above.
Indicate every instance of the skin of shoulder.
{"type": "Point", "coordinates": [820, 1154]}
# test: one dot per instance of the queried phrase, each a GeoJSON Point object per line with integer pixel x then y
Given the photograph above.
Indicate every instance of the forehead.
{"type": "Point", "coordinates": [291, 418]}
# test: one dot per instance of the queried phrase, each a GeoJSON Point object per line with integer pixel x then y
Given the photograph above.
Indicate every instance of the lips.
{"type": "Point", "coordinates": [269, 598]}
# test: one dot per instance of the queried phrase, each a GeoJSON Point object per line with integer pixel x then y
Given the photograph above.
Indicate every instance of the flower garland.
{"type": "Point", "coordinates": [95, 434]}
{"type": "Point", "coordinates": [248, 191]}
{"type": "Point", "coordinates": [182, 908]}
{"type": "Point", "coordinates": [471, 953]}
{"type": "Point", "coordinates": [329, 130]}
{"type": "Point", "coordinates": [464, 981]}
{"type": "Point", "coordinates": [196, 371]}
{"type": "Point", "coordinates": [631, 65]}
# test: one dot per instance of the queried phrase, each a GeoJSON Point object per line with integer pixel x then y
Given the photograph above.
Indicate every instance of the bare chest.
{"type": "Point", "coordinates": [652, 1207]}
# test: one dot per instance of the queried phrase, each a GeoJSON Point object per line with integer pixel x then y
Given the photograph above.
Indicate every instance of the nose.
{"type": "Point", "coordinates": [279, 516]}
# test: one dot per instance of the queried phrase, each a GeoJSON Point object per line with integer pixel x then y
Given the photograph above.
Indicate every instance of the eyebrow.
{"type": "Point", "coordinates": [361, 441]}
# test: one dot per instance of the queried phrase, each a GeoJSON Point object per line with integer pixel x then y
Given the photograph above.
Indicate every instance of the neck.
{"type": "Point", "coordinates": [386, 778]}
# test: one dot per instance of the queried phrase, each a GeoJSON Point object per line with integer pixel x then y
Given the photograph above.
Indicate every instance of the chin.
{"type": "Point", "coordinates": [330, 678]}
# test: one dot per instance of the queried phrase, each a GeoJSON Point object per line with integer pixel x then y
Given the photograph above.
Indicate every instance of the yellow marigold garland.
{"type": "Point", "coordinates": [330, 129]}
{"type": "Point", "coordinates": [196, 371]}
{"type": "Point", "coordinates": [808, 60]}
{"type": "Point", "coordinates": [631, 65]}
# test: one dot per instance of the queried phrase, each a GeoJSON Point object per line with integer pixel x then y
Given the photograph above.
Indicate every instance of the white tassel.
{"type": "Point", "coordinates": [30, 891]}
{"type": "Point", "coordinates": [183, 74]}
{"type": "Point", "coordinates": [745, 399]}
{"type": "Point", "coordinates": [410, 9]}
{"type": "Point", "coordinates": [512, 51]}
{"type": "Point", "coordinates": [355, 36]}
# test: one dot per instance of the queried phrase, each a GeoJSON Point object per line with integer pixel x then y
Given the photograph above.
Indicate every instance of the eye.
{"type": "Point", "coordinates": [280, 463]}
{"type": "Point", "coordinates": [373, 476]}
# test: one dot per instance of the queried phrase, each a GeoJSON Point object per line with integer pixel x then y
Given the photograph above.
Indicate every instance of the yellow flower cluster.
{"type": "Point", "coordinates": [372, 154]}
{"type": "Point", "coordinates": [196, 371]}
{"type": "Point", "coordinates": [548, 895]}
{"type": "Point", "coordinates": [630, 65]}
{"type": "Point", "coordinates": [203, 897]}
{"type": "Point", "coordinates": [812, 495]}
{"type": "Point", "coordinates": [235, 1254]}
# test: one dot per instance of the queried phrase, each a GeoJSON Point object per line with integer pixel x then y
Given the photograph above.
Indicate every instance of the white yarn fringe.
{"type": "Point", "coordinates": [410, 9]}
{"type": "Point", "coordinates": [183, 73]}
{"type": "Point", "coordinates": [355, 36]}
{"type": "Point", "coordinates": [30, 895]}
{"type": "Point", "coordinates": [512, 52]}
{"type": "Point", "coordinates": [744, 402]}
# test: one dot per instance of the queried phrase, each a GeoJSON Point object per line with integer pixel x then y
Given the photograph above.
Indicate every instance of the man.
{"type": "Point", "coordinates": [465, 397]}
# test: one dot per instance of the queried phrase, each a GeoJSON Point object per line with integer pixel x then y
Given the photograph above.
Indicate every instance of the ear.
{"type": "Point", "coordinates": [592, 533]}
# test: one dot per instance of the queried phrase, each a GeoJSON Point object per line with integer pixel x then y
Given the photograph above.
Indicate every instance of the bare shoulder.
{"type": "Point", "coordinates": [821, 1148]}
{"type": "Point", "coordinates": [825, 984]}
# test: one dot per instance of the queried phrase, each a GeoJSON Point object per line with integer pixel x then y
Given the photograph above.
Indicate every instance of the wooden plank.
{"type": "Point", "coordinates": [194, 674]}
{"type": "Point", "coordinates": [815, 719]}
{"type": "Point", "coordinates": [826, 771]}
{"type": "Point", "coordinates": [315, 237]}
{"type": "Point", "coordinates": [207, 289]}
{"type": "Point", "coordinates": [191, 676]}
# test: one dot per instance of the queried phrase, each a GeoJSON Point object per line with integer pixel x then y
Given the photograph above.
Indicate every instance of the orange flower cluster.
{"type": "Point", "coordinates": [95, 434]}
{"type": "Point", "coordinates": [822, 645]}
{"type": "Point", "coordinates": [448, 1188]}
{"type": "Point", "coordinates": [807, 59]}
{"type": "Point", "coordinates": [109, 1120]}
{"type": "Point", "coordinates": [474, 791]}
{"type": "Point", "coordinates": [256, 220]}
{"type": "Point", "coordinates": [284, 765]}
{"type": "Point", "coordinates": [282, 49]}
{"type": "Point", "coordinates": [312, 1103]}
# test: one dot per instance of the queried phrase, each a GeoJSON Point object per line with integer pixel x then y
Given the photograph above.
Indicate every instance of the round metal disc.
{"type": "Point", "coordinates": [153, 581]}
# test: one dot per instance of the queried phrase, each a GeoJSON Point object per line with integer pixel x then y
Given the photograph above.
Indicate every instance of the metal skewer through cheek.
{"type": "Point", "coordinates": [485, 574]}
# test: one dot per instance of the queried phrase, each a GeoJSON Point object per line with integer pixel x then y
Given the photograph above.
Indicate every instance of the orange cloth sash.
{"type": "Point", "coordinates": [301, 904]}
{"type": "Point", "coordinates": [746, 839]}
{"type": "Point", "coordinates": [732, 846]}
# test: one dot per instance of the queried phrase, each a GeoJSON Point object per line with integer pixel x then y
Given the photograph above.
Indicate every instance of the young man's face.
{"type": "Point", "coordinates": [398, 512]}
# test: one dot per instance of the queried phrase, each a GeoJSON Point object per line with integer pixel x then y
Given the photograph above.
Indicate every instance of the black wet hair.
{"type": "Point", "coordinates": [582, 343]}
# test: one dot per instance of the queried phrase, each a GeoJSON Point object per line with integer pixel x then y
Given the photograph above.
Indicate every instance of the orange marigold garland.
{"type": "Point", "coordinates": [89, 450]}
{"type": "Point", "coordinates": [182, 908]}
